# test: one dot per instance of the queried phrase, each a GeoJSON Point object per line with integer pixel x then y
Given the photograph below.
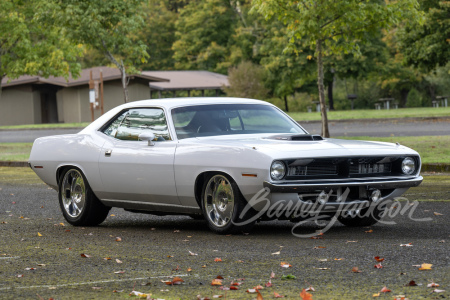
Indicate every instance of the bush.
{"type": "Point", "coordinates": [246, 81]}
{"type": "Point", "coordinates": [414, 99]}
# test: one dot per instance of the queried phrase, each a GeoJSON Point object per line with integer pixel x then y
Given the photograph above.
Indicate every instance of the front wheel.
{"type": "Point", "coordinates": [78, 203]}
{"type": "Point", "coordinates": [223, 204]}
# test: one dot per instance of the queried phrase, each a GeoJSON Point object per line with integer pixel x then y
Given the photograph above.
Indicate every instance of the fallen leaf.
{"type": "Point", "coordinates": [406, 245]}
{"type": "Point", "coordinates": [438, 291]}
{"type": "Point", "coordinates": [338, 259]}
{"type": "Point", "coordinates": [219, 277]}
{"type": "Point", "coordinates": [217, 296]}
{"type": "Point", "coordinates": [30, 269]}
{"type": "Point", "coordinates": [41, 265]}
{"type": "Point", "coordinates": [224, 288]}
{"type": "Point", "coordinates": [20, 275]}
{"type": "Point", "coordinates": [176, 231]}
{"type": "Point", "coordinates": [39, 234]}
{"type": "Point", "coordinates": [139, 294]}
{"type": "Point", "coordinates": [62, 224]}
{"type": "Point", "coordinates": [376, 295]}
{"type": "Point", "coordinates": [425, 267]}
{"type": "Point", "coordinates": [323, 259]}
{"type": "Point", "coordinates": [356, 270]}
{"type": "Point", "coordinates": [217, 259]}
{"type": "Point", "coordinates": [400, 297]}
{"type": "Point", "coordinates": [107, 258]}
{"type": "Point", "coordinates": [189, 269]}
{"type": "Point", "coordinates": [236, 283]}
{"type": "Point", "coordinates": [112, 215]}
{"type": "Point", "coordinates": [411, 283]}
{"type": "Point", "coordinates": [276, 253]}
{"type": "Point", "coordinates": [216, 282]}
{"type": "Point", "coordinates": [288, 277]}
{"type": "Point", "coordinates": [310, 289]}
{"type": "Point", "coordinates": [118, 239]}
{"type": "Point", "coordinates": [443, 241]}
{"type": "Point", "coordinates": [192, 253]}
{"type": "Point", "coordinates": [177, 280]}
{"type": "Point", "coordinates": [285, 265]}
{"type": "Point", "coordinates": [119, 272]}
{"type": "Point", "coordinates": [378, 266]}
{"type": "Point", "coordinates": [369, 231]}
{"type": "Point", "coordinates": [319, 247]}
{"type": "Point", "coordinates": [378, 259]}
{"type": "Point", "coordinates": [259, 296]}
{"type": "Point", "coordinates": [176, 269]}
{"type": "Point", "coordinates": [251, 291]}
{"type": "Point", "coordinates": [432, 284]}
{"type": "Point", "coordinates": [169, 256]}
{"type": "Point", "coordinates": [85, 255]}
{"type": "Point", "coordinates": [258, 287]}
{"type": "Point", "coordinates": [438, 214]}
{"type": "Point", "coordinates": [272, 275]}
{"type": "Point", "coordinates": [385, 290]}
{"type": "Point", "coordinates": [322, 268]}
{"type": "Point", "coordinates": [118, 261]}
{"type": "Point", "coordinates": [305, 295]}
{"type": "Point", "coordinates": [269, 284]}
{"type": "Point", "coordinates": [276, 295]}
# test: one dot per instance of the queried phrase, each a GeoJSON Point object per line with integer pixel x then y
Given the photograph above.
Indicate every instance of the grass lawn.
{"type": "Point", "coordinates": [432, 149]}
{"type": "Point", "coordinates": [375, 114]}
{"type": "Point", "coordinates": [15, 151]}
{"type": "Point", "coordinates": [44, 126]}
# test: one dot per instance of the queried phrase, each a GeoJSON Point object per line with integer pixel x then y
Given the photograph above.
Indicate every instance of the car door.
{"type": "Point", "coordinates": [133, 170]}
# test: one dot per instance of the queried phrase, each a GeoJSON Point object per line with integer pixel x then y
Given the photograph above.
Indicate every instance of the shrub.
{"type": "Point", "coordinates": [246, 81]}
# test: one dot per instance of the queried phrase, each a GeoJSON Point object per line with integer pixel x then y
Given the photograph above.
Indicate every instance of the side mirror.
{"type": "Point", "coordinates": [147, 136]}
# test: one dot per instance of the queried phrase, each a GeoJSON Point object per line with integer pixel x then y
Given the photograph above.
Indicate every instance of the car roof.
{"type": "Point", "coordinates": [176, 102]}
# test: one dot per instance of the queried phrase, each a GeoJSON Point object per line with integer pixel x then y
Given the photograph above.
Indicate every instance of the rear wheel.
{"type": "Point", "coordinates": [78, 203]}
{"type": "Point", "coordinates": [222, 205]}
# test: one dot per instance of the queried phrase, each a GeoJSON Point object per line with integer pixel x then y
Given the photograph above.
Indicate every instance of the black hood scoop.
{"type": "Point", "coordinates": [297, 137]}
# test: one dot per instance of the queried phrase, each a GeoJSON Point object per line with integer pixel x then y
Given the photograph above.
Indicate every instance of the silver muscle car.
{"type": "Point", "coordinates": [230, 161]}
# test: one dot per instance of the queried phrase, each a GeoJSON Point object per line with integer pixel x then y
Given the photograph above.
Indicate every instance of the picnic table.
{"type": "Point", "coordinates": [386, 101]}
{"type": "Point", "coordinates": [442, 99]}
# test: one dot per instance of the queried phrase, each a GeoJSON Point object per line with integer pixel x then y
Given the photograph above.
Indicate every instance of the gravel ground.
{"type": "Point", "coordinates": [35, 235]}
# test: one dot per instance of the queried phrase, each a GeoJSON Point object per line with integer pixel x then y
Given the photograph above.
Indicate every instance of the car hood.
{"type": "Point", "coordinates": [312, 148]}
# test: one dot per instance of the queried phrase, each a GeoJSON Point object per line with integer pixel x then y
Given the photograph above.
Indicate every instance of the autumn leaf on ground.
{"type": "Point", "coordinates": [119, 272]}
{"type": "Point", "coordinates": [369, 231]}
{"type": "Point", "coordinates": [20, 275]}
{"type": "Point", "coordinates": [177, 280]}
{"type": "Point", "coordinates": [189, 269]}
{"type": "Point", "coordinates": [285, 265]}
{"type": "Point", "coordinates": [438, 214]}
{"type": "Point", "coordinates": [276, 295]}
{"type": "Point", "coordinates": [438, 291]}
{"type": "Point", "coordinates": [288, 277]}
{"type": "Point", "coordinates": [39, 234]}
{"type": "Point", "coordinates": [139, 294]}
{"type": "Point", "coordinates": [216, 282]}
{"type": "Point", "coordinates": [218, 296]}
{"type": "Point", "coordinates": [272, 275]}
{"type": "Point", "coordinates": [85, 255]}
{"type": "Point", "coordinates": [118, 239]}
{"type": "Point", "coordinates": [385, 290]}
{"type": "Point", "coordinates": [169, 256]}
{"type": "Point", "coordinates": [305, 295]}
{"type": "Point", "coordinates": [432, 284]}
{"type": "Point", "coordinates": [276, 253]}
{"type": "Point", "coordinates": [310, 289]}
{"type": "Point", "coordinates": [338, 259]}
{"type": "Point", "coordinates": [258, 287]}
{"type": "Point", "coordinates": [378, 266]}
{"type": "Point", "coordinates": [192, 253]}
{"type": "Point", "coordinates": [269, 284]}
{"type": "Point", "coordinates": [378, 259]}
{"type": "Point", "coordinates": [425, 267]}
{"type": "Point", "coordinates": [107, 258]}
{"type": "Point", "coordinates": [217, 259]}
{"type": "Point", "coordinates": [118, 261]}
{"type": "Point", "coordinates": [411, 283]}
{"type": "Point", "coordinates": [259, 297]}
{"type": "Point", "coordinates": [406, 245]}
{"type": "Point", "coordinates": [251, 291]}
{"type": "Point", "coordinates": [224, 288]}
{"type": "Point", "coordinates": [356, 270]}
{"type": "Point", "coordinates": [236, 283]}
{"type": "Point", "coordinates": [235, 288]}
{"type": "Point", "coordinates": [376, 295]}
{"type": "Point", "coordinates": [319, 247]}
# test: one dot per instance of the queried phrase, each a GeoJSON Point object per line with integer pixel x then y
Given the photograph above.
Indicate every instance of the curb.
{"type": "Point", "coordinates": [431, 167]}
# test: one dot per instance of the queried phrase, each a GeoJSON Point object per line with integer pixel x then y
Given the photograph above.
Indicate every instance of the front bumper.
{"type": "Point", "coordinates": [377, 183]}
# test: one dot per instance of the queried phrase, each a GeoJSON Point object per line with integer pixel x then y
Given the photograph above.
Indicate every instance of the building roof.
{"type": "Point", "coordinates": [107, 72]}
{"type": "Point", "coordinates": [187, 80]}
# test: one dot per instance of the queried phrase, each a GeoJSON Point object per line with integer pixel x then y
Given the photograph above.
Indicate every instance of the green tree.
{"type": "Point", "coordinates": [108, 26]}
{"type": "Point", "coordinates": [333, 27]}
{"type": "Point", "coordinates": [31, 46]}
{"type": "Point", "coordinates": [428, 46]}
{"type": "Point", "coordinates": [247, 81]}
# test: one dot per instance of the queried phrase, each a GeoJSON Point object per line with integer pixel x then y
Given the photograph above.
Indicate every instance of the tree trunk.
{"type": "Point", "coordinates": [124, 83]}
{"type": "Point", "coordinates": [1, 78]}
{"type": "Point", "coordinates": [323, 110]}
{"type": "Point", "coordinates": [330, 95]}
{"type": "Point", "coordinates": [286, 103]}
{"type": "Point", "coordinates": [404, 97]}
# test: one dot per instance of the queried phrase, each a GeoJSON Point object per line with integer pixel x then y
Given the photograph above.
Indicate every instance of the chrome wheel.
{"type": "Point", "coordinates": [219, 201]}
{"type": "Point", "coordinates": [73, 193]}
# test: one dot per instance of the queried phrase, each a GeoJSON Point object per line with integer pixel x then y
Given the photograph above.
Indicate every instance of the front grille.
{"type": "Point", "coordinates": [344, 167]}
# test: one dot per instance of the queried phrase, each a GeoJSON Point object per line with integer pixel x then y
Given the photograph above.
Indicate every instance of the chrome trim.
{"type": "Point", "coordinates": [385, 183]}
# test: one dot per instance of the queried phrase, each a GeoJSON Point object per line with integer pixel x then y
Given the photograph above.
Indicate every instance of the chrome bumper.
{"type": "Point", "coordinates": [294, 187]}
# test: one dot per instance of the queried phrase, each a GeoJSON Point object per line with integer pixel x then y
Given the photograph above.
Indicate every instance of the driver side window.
{"type": "Point", "coordinates": [131, 123]}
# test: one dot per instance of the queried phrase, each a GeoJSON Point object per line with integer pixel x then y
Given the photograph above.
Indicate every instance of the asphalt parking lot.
{"type": "Point", "coordinates": [43, 257]}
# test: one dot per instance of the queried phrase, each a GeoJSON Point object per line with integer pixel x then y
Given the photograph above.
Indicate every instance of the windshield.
{"type": "Point", "coordinates": [226, 119]}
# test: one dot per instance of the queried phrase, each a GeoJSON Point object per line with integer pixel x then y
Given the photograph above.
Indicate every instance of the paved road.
{"type": "Point", "coordinates": [152, 248]}
{"type": "Point", "coordinates": [380, 128]}
{"type": "Point", "coordinates": [396, 127]}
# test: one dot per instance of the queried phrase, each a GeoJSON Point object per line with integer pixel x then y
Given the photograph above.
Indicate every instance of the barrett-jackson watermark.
{"type": "Point", "coordinates": [303, 211]}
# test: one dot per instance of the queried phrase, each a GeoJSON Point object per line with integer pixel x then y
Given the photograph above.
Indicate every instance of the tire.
{"type": "Point", "coordinates": [222, 204]}
{"type": "Point", "coordinates": [78, 203]}
{"type": "Point", "coordinates": [365, 217]}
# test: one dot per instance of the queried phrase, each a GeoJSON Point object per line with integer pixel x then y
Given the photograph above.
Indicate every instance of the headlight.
{"type": "Point", "coordinates": [408, 166]}
{"type": "Point", "coordinates": [277, 170]}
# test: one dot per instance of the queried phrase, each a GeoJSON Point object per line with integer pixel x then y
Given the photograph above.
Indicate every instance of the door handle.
{"type": "Point", "coordinates": [108, 153]}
